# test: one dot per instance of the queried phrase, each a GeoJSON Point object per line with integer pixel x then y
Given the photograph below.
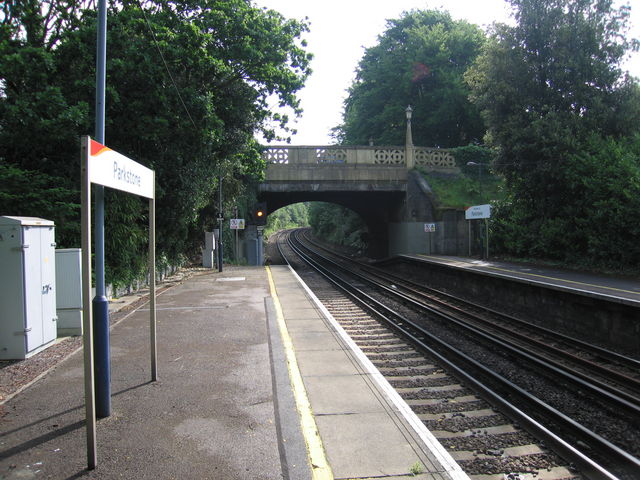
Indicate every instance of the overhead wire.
{"type": "Point", "coordinates": [166, 66]}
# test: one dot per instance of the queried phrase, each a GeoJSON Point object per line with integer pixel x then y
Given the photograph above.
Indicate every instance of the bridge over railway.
{"type": "Point", "coordinates": [379, 183]}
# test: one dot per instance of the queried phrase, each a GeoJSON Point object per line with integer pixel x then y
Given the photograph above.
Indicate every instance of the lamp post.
{"type": "Point", "coordinates": [486, 221]}
{"type": "Point", "coordinates": [100, 303]}
{"type": "Point", "coordinates": [479, 165]}
{"type": "Point", "coordinates": [409, 139]}
{"type": "Point", "coordinates": [220, 224]}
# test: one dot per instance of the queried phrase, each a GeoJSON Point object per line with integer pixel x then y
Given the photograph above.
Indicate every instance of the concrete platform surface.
{"type": "Point", "coordinates": [210, 415]}
{"type": "Point", "coordinates": [620, 287]}
{"type": "Point", "coordinates": [225, 405]}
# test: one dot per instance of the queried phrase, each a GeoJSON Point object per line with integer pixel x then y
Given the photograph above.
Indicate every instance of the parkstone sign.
{"type": "Point", "coordinates": [477, 212]}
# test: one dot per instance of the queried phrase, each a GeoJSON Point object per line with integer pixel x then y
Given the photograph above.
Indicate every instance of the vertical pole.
{"type": "Point", "coordinates": [469, 223]}
{"type": "Point", "coordinates": [235, 212]}
{"type": "Point", "coordinates": [100, 303]}
{"type": "Point", "coordinates": [220, 222]}
{"type": "Point", "coordinates": [486, 228]}
{"type": "Point", "coordinates": [87, 325]}
{"type": "Point", "coordinates": [152, 286]}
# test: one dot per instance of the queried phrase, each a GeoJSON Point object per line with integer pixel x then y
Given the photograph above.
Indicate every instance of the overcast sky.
{"type": "Point", "coordinates": [341, 29]}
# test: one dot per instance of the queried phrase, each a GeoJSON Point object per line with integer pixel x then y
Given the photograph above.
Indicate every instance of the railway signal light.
{"type": "Point", "coordinates": [260, 213]}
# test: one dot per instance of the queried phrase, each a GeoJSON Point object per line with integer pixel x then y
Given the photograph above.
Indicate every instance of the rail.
{"type": "Point", "coordinates": [623, 461]}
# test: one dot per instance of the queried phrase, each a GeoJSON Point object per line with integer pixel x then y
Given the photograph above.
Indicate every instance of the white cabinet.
{"type": "Point", "coordinates": [27, 286]}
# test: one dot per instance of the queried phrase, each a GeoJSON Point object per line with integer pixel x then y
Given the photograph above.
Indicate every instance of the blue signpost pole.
{"type": "Point", "coordinates": [220, 222]}
{"type": "Point", "coordinates": [100, 302]}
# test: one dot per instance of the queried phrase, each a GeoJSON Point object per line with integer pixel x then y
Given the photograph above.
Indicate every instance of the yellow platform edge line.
{"type": "Point", "coordinates": [320, 468]}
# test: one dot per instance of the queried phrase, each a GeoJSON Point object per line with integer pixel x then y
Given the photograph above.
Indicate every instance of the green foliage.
{"type": "Point", "coordinates": [595, 226]}
{"type": "Point", "coordinates": [461, 191]}
{"type": "Point", "coordinates": [416, 469]}
{"type": "Point", "coordinates": [126, 235]}
{"type": "Point", "coordinates": [187, 89]}
{"type": "Point", "coordinates": [560, 115]}
{"type": "Point", "coordinates": [479, 155]}
{"type": "Point", "coordinates": [419, 60]}
{"type": "Point", "coordinates": [28, 193]}
{"type": "Point", "coordinates": [549, 82]}
{"type": "Point", "coordinates": [291, 216]}
{"type": "Point", "coordinates": [337, 224]}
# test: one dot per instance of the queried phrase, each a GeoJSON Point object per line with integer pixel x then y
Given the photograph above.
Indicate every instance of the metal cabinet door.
{"type": "Point", "coordinates": [48, 282]}
{"type": "Point", "coordinates": [12, 340]}
{"type": "Point", "coordinates": [33, 326]}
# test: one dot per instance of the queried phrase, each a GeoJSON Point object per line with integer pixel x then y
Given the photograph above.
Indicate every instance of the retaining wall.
{"type": "Point", "coordinates": [609, 321]}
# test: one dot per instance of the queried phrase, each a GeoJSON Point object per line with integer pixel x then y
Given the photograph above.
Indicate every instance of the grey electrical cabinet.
{"type": "Point", "coordinates": [209, 249]}
{"type": "Point", "coordinates": [69, 291]}
{"type": "Point", "coordinates": [27, 286]}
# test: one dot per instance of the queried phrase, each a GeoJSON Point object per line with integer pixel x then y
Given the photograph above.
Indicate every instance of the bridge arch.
{"type": "Point", "coordinates": [378, 183]}
{"type": "Point", "coordinates": [377, 210]}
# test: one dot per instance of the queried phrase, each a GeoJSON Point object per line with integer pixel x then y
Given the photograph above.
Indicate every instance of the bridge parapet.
{"type": "Point", "coordinates": [435, 158]}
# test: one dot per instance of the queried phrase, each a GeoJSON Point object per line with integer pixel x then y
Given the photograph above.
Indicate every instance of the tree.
{"type": "Point", "coordinates": [419, 61]}
{"type": "Point", "coordinates": [548, 88]}
{"type": "Point", "coordinates": [290, 216]}
{"type": "Point", "coordinates": [187, 89]}
{"type": "Point", "coordinates": [552, 79]}
{"type": "Point", "coordinates": [337, 224]}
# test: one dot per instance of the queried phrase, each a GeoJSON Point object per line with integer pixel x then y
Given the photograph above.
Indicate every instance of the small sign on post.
{"type": "Point", "coordinates": [429, 228]}
{"type": "Point", "coordinates": [236, 223]}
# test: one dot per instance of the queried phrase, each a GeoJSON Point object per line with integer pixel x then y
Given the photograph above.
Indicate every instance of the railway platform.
{"type": "Point", "coordinates": [256, 381]}
{"type": "Point", "coordinates": [613, 287]}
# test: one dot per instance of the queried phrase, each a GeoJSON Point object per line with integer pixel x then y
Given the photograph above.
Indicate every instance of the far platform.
{"type": "Point", "coordinates": [615, 287]}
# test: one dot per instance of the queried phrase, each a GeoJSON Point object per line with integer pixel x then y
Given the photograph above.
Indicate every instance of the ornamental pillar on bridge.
{"type": "Point", "coordinates": [408, 147]}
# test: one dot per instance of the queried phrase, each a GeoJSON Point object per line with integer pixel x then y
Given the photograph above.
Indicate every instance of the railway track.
{"type": "Point", "coordinates": [460, 365]}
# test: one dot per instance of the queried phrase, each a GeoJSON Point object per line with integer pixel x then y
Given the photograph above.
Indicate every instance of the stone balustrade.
{"type": "Point", "coordinates": [354, 155]}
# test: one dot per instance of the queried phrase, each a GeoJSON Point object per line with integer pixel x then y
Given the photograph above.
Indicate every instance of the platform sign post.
{"type": "Point", "coordinates": [429, 228]}
{"type": "Point", "coordinates": [105, 167]}
{"type": "Point", "coordinates": [87, 320]}
{"type": "Point", "coordinates": [237, 224]}
{"type": "Point", "coordinates": [259, 232]}
{"type": "Point", "coordinates": [479, 212]}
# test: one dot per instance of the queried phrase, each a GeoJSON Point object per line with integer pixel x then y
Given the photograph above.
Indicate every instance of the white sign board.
{"type": "Point", "coordinates": [429, 227]}
{"type": "Point", "coordinates": [114, 170]}
{"type": "Point", "coordinates": [237, 223]}
{"type": "Point", "coordinates": [477, 212]}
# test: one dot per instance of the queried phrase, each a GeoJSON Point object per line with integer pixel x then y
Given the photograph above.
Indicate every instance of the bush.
{"type": "Point", "coordinates": [594, 226]}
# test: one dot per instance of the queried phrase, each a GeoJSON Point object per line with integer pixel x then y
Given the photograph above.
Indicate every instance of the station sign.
{"type": "Point", "coordinates": [114, 170]}
{"type": "Point", "coordinates": [236, 223]}
{"type": "Point", "coordinates": [477, 212]}
{"type": "Point", "coordinates": [429, 227]}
